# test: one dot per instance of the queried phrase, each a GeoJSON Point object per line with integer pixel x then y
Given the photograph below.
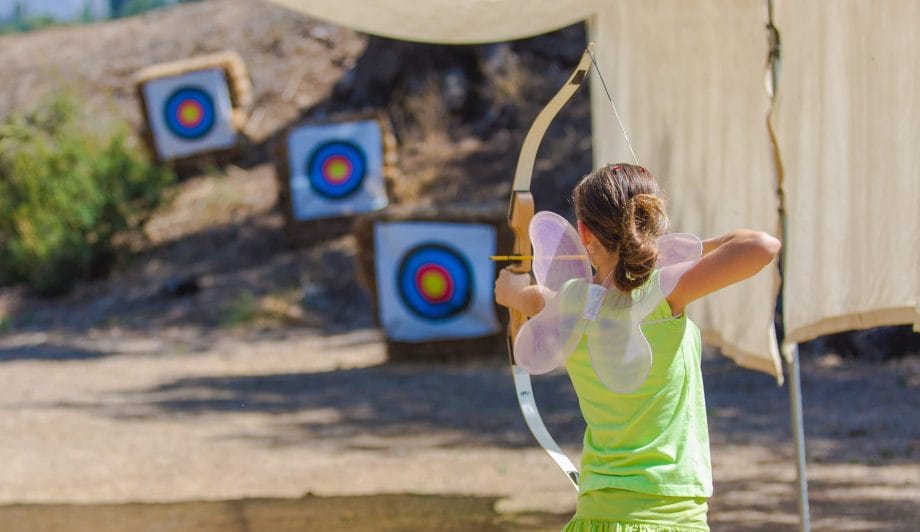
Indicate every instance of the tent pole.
{"type": "Point", "coordinates": [790, 350]}
{"type": "Point", "coordinates": [798, 432]}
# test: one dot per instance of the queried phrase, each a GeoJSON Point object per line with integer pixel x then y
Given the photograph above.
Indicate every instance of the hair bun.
{"type": "Point", "coordinates": [644, 221]}
{"type": "Point", "coordinates": [621, 205]}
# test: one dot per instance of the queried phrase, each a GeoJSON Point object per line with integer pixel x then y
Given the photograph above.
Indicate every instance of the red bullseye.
{"type": "Point", "coordinates": [337, 169]}
{"type": "Point", "coordinates": [434, 283]}
{"type": "Point", "coordinates": [190, 113]}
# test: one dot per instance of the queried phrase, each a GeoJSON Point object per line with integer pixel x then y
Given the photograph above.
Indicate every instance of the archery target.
{"type": "Point", "coordinates": [336, 169]}
{"type": "Point", "coordinates": [434, 280]}
{"type": "Point", "coordinates": [189, 113]}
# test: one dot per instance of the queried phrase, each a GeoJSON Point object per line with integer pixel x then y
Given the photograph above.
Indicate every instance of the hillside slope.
{"type": "Point", "coordinates": [460, 114]}
{"type": "Point", "coordinates": [293, 61]}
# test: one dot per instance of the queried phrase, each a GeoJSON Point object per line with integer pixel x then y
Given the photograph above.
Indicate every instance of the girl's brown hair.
{"type": "Point", "coordinates": [621, 204]}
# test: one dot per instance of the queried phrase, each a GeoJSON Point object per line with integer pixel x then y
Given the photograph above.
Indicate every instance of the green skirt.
{"type": "Point", "coordinates": [615, 510]}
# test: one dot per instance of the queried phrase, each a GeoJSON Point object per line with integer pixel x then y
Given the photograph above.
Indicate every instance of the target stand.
{"type": "Point", "coordinates": [430, 279]}
{"type": "Point", "coordinates": [195, 108]}
{"type": "Point", "coordinates": [330, 171]}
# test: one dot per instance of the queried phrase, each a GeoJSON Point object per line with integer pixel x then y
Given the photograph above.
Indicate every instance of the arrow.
{"type": "Point", "coordinates": [517, 258]}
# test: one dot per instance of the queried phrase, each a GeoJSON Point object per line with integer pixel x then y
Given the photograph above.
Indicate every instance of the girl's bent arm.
{"type": "Point", "coordinates": [515, 291]}
{"type": "Point", "coordinates": [727, 259]}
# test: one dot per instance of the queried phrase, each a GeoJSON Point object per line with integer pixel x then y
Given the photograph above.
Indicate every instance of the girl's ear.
{"type": "Point", "coordinates": [583, 232]}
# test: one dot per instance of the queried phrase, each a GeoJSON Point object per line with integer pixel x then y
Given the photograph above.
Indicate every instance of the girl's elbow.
{"type": "Point", "coordinates": [775, 245]}
{"type": "Point", "coordinates": [767, 246]}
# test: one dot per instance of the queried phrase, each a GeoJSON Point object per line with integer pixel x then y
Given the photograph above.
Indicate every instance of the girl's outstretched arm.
{"type": "Point", "coordinates": [727, 259]}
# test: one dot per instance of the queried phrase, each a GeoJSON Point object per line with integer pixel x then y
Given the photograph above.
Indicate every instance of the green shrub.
{"type": "Point", "coordinates": [127, 8]}
{"type": "Point", "coordinates": [23, 25]}
{"type": "Point", "coordinates": [69, 193]}
{"type": "Point", "coordinates": [243, 308]}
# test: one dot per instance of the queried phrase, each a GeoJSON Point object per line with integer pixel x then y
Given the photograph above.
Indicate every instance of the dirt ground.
{"type": "Point", "coordinates": [128, 409]}
{"type": "Point", "coordinates": [299, 431]}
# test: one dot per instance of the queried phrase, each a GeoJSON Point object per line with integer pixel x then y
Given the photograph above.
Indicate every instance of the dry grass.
{"type": "Point", "coordinates": [218, 198]}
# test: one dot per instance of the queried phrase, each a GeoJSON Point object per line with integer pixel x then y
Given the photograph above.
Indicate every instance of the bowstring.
{"type": "Point", "coordinates": [597, 69]}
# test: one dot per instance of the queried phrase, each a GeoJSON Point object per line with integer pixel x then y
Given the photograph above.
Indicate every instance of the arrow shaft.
{"type": "Point", "coordinates": [514, 258]}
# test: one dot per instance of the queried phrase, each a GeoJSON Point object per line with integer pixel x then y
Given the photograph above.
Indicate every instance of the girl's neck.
{"type": "Point", "coordinates": [604, 267]}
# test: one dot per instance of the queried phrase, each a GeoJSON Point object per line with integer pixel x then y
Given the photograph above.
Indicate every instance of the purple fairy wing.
{"type": "Point", "coordinates": [677, 253]}
{"type": "Point", "coordinates": [620, 353]}
{"type": "Point", "coordinates": [562, 268]}
{"type": "Point", "coordinates": [559, 255]}
{"type": "Point", "coordinates": [547, 339]}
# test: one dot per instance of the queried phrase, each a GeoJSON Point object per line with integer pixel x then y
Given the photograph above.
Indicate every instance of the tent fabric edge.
{"type": "Point", "coordinates": [856, 321]}
{"type": "Point", "coordinates": [475, 33]}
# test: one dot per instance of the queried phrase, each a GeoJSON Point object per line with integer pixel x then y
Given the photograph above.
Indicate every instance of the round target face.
{"type": "Point", "coordinates": [435, 282]}
{"type": "Point", "coordinates": [189, 113]}
{"type": "Point", "coordinates": [336, 169]}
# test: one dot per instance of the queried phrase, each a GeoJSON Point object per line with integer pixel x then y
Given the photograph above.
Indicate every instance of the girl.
{"type": "Point", "coordinates": [645, 461]}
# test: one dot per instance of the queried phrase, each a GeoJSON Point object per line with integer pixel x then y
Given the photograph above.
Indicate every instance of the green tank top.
{"type": "Point", "coordinates": [654, 440]}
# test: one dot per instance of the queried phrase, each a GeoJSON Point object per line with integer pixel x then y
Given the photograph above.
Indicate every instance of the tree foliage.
{"type": "Point", "coordinates": [69, 194]}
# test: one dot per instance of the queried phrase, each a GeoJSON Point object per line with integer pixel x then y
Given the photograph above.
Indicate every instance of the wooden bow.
{"type": "Point", "coordinates": [520, 212]}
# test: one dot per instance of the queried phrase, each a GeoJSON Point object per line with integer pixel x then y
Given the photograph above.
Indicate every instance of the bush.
{"type": "Point", "coordinates": [68, 195]}
{"type": "Point", "coordinates": [20, 24]}
{"type": "Point", "coordinates": [127, 8]}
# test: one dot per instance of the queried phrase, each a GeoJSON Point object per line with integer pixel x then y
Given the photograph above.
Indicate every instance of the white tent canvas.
{"type": "Point", "coordinates": [848, 130]}
{"type": "Point", "coordinates": [696, 108]}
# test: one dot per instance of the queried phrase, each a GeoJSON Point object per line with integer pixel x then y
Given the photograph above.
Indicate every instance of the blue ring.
{"type": "Point", "coordinates": [456, 266]}
{"type": "Point", "coordinates": [171, 112]}
{"type": "Point", "coordinates": [321, 154]}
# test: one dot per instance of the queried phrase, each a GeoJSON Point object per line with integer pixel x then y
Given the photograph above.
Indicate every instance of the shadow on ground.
{"type": "Point", "coordinates": [475, 405]}
{"type": "Point", "coordinates": [382, 513]}
{"type": "Point", "coordinates": [464, 405]}
{"type": "Point", "coordinates": [49, 352]}
{"type": "Point", "coordinates": [834, 506]}
{"type": "Point", "coordinates": [841, 405]}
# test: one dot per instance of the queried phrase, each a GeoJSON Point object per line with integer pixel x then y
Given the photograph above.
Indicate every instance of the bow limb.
{"type": "Point", "coordinates": [521, 209]}
{"type": "Point", "coordinates": [520, 212]}
{"type": "Point", "coordinates": [528, 156]}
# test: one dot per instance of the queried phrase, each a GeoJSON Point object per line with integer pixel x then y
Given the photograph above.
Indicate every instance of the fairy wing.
{"type": "Point", "coordinates": [562, 268]}
{"type": "Point", "coordinates": [559, 255]}
{"type": "Point", "coordinates": [620, 353]}
{"type": "Point", "coordinates": [677, 253]}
